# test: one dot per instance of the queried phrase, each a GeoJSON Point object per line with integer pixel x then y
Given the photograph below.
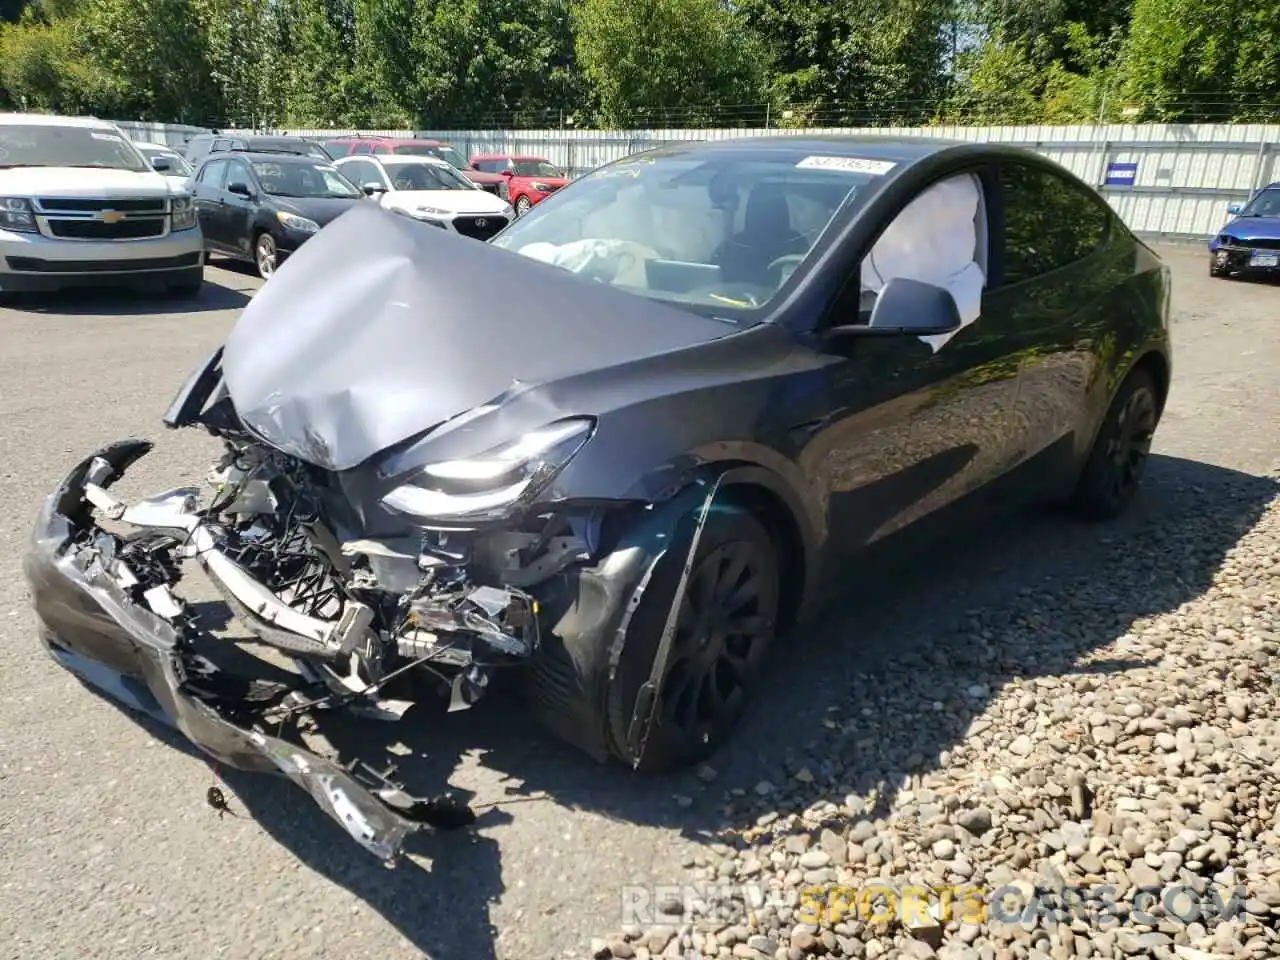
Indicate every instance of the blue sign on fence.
{"type": "Point", "coordinates": [1121, 174]}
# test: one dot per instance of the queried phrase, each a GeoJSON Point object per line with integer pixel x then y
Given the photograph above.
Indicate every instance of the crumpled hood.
{"type": "Point", "coordinates": [379, 328]}
{"type": "Point", "coordinates": [1253, 228]}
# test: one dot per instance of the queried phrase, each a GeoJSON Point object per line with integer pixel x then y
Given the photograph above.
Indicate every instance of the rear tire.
{"type": "Point", "coordinates": [728, 621]}
{"type": "Point", "coordinates": [1115, 466]}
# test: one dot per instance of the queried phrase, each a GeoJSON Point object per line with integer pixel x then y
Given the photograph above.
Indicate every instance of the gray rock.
{"type": "Point", "coordinates": [976, 821]}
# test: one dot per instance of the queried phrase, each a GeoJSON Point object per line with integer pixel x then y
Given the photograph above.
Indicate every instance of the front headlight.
{"type": "Point", "coordinates": [488, 486]}
{"type": "Point", "coordinates": [433, 211]}
{"type": "Point", "coordinates": [16, 215]}
{"type": "Point", "coordinates": [184, 212]}
{"type": "Point", "coordinates": [294, 222]}
{"type": "Point", "coordinates": [542, 187]}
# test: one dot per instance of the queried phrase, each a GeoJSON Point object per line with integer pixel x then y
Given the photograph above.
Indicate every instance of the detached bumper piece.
{"type": "Point", "coordinates": [106, 613]}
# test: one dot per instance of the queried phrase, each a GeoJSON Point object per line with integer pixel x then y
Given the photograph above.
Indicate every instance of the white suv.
{"type": "Point", "coordinates": [79, 206]}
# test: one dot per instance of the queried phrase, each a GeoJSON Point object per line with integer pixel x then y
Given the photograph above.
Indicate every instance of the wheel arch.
{"type": "Point", "coordinates": [1156, 364]}
{"type": "Point", "coordinates": [757, 491]}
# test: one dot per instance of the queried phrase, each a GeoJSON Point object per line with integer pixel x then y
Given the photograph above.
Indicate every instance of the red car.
{"type": "Point", "coordinates": [360, 146]}
{"type": "Point", "coordinates": [528, 179]}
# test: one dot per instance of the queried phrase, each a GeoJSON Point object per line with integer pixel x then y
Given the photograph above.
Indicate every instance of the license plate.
{"type": "Point", "coordinates": [1264, 260]}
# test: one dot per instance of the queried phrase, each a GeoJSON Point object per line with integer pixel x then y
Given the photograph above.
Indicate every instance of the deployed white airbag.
{"type": "Point", "coordinates": [935, 240]}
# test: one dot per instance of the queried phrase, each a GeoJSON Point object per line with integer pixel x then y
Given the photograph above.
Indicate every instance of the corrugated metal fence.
{"type": "Point", "coordinates": [1167, 181]}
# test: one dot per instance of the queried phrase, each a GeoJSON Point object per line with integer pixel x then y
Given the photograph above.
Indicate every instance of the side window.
{"type": "Point", "coordinates": [382, 149]}
{"type": "Point", "coordinates": [214, 175]}
{"type": "Point", "coordinates": [491, 166]}
{"type": "Point", "coordinates": [1049, 222]}
{"type": "Point", "coordinates": [238, 172]}
{"type": "Point", "coordinates": [939, 237]}
{"type": "Point", "coordinates": [219, 145]}
{"type": "Point", "coordinates": [361, 149]}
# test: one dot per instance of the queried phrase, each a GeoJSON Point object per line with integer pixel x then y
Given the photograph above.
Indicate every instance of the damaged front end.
{"type": "Point", "coordinates": [352, 613]}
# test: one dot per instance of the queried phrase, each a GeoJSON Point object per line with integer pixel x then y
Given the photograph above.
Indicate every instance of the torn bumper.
{"type": "Point", "coordinates": [92, 627]}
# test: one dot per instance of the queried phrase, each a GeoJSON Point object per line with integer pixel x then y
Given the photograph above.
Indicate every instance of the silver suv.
{"type": "Point", "coordinates": [79, 206]}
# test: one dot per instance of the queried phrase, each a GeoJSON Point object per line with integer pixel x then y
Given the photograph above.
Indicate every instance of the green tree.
{"type": "Point", "coordinates": [646, 61]}
{"type": "Point", "coordinates": [1204, 59]}
{"type": "Point", "coordinates": [154, 58]}
{"type": "Point", "coordinates": [45, 62]}
{"type": "Point", "coordinates": [855, 61]}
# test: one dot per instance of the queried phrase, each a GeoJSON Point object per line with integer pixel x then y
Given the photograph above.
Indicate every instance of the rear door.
{"type": "Point", "coordinates": [1055, 267]}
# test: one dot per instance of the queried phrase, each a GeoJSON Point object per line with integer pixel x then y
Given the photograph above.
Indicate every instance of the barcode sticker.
{"type": "Point", "coordinates": [847, 165]}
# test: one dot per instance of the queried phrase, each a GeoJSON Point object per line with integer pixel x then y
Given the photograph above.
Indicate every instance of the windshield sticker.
{"type": "Point", "coordinates": [109, 137]}
{"type": "Point", "coordinates": [847, 165]}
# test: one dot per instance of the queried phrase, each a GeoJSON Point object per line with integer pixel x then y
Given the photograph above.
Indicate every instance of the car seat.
{"type": "Point", "coordinates": [766, 235]}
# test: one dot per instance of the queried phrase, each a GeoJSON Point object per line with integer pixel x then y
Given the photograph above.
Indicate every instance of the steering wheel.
{"type": "Point", "coordinates": [787, 258]}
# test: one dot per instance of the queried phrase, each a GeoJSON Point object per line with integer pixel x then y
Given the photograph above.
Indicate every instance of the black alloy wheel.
{"type": "Point", "coordinates": [726, 621]}
{"type": "Point", "coordinates": [1119, 457]}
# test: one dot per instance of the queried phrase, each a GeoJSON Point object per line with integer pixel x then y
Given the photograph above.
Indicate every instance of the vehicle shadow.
{"type": "Point", "coordinates": [852, 697]}
{"type": "Point", "coordinates": [124, 303]}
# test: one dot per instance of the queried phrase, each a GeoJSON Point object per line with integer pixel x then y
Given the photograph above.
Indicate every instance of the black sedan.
{"type": "Point", "coordinates": [622, 447]}
{"type": "Point", "coordinates": [260, 207]}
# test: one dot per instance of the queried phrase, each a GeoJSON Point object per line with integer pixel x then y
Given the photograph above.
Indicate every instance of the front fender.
{"type": "Point", "coordinates": [203, 388]}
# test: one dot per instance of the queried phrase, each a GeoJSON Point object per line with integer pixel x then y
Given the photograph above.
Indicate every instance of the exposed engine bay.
{"type": "Point", "coordinates": [356, 612]}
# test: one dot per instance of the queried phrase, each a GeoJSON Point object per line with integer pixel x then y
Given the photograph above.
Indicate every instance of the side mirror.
{"type": "Point", "coordinates": [1234, 208]}
{"type": "Point", "coordinates": [907, 308]}
{"type": "Point", "coordinates": [161, 164]}
{"type": "Point", "coordinates": [240, 190]}
{"type": "Point", "coordinates": [371, 189]}
{"type": "Point", "coordinates": [508, 173]}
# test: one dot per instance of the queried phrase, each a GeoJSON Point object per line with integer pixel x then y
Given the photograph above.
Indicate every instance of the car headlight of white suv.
{"type": "Point", "coordinates": [183, 210]}
{"type": "Point", "coordinates": [16, 215]}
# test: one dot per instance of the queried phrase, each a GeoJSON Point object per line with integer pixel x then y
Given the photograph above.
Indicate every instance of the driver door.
{"type": "Point", "coordinates": [239, 212]}
{"type": "Point", "coordinates": [913, 428]}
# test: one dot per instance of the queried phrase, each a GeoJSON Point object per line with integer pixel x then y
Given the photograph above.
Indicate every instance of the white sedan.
{"type": "Point", "coordinates": [431, 191]}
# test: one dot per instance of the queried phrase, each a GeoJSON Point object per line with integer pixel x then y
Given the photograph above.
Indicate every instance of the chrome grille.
{"type": "Point", "coordinates": [79, 205]}
{"type": "Point", "coordinates": [138, 228]}
{"type": "Point", "coordinates": [103, 219]}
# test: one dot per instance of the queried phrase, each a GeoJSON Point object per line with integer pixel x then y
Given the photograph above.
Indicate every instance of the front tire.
{"type": "Point", "coordinates": [266, 255]}
{"type": "Point", "coordinates": [1215, 270]}
{"type": "Point", "coordinates": [1115, 466]}
{"type": "Point", "coordinates": [728, 618]}
{"type": "Point", "coordinates": [523, 206]}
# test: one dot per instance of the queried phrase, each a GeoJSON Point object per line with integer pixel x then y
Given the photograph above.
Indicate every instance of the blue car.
{"type": "Point", "coordinates": [1250, 243]}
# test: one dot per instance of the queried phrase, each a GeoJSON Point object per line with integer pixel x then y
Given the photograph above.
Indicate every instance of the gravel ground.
{"type": "Point", "coordinates": [1031, 705]}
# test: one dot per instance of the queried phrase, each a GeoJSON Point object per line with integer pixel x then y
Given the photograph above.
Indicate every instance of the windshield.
{"type": "Point", "coordinates": [308, 180]}
{"type": "Point", "coordinates": [37, 145]}
{"type": "Point", "coordinates": [713, 229]}
{"type": "Point", "coordinates": [535, 168]}
{"type": "Point", "coordinates": [178, 167]}
{"type": "Point", "coordinates": [1265, 204]}
{"type": "Point", "coordinates": [425, 176]}
{"type": "Point", "coordinates": [443, 152]}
